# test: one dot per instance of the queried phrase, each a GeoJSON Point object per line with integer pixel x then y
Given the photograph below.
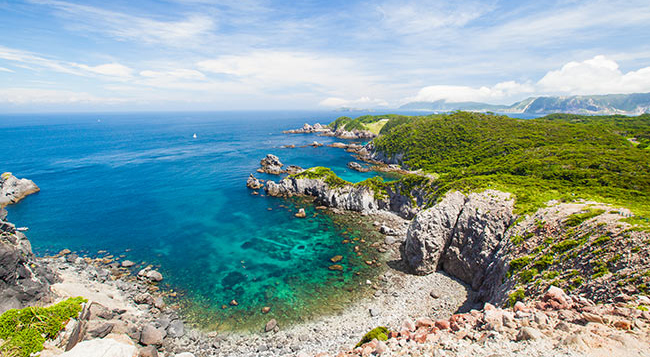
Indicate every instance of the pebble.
{"type": "Point", "coordinates": [271, 325]}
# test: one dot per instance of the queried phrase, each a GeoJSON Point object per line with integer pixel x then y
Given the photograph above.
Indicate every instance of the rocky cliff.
{"type": "Point", "coordinates": [23, 280]}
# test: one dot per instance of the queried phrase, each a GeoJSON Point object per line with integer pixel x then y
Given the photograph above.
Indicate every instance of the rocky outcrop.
{"type": "Point", "coordinates": [13, 189]}
{"type": "Point", "coordinates": [357, 167]}
{"type": "Point", "coordinates": [253, 183]}
{"type": "Point", "coordinates": [23, 281]}
{"type": "Point", "coordinates": [271, 164]}
{"type": "Point", "coordinates": [348, 197]}
{"type": "Point", "coordinates": [327, 131]}
{"type": "Point", "coordinates": [309, 129]}
{"type": "Point", "coordinates": [459, 235]}
{"type": "Point", "coordinates": [294, 169]}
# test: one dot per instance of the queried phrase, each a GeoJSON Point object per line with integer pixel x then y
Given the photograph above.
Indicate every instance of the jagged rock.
{"type": "Point", "coordinates": [528, 333]}
{"type": "Point", "coordinates": [430, 232]}
{"type": "Point", "coordinates": [253, 183]}
{"type": "Point", "coordinates": [100, 330]}
{"type": "Point", "coordinates": [357, 167]}
{"type": "Point", "coordinates": [96, 310]}
{"type": "Point", "coordinates": [294, 169]}
{"type": "Point", "coordinates": [148, 351]}
{"type": "Point", "coordinates": [301, 213]}
{"type": "Point", "coordinates": [271, 164]}
{"type": "Point", "coordinates": [13, 189]}
{"type": "Point", "coordinates": [480, 227]}
{"type": "Point", "coordinates": [23, 280]}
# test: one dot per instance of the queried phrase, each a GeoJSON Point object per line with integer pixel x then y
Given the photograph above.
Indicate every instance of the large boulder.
{"type": "Point", "coordinates": [253, 182]}
{"type": "Point", "coordinates": [480, 227]}
{"type": "Point", "coordinates": [430, 232]}
{"type": "Point", "coordinates": [460, 235]}
{"type": "Point", "coordinates": [102, 348]}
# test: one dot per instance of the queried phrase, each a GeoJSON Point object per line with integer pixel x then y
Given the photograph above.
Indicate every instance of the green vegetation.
{"type": "Point", "coordinates": [576, 219]}
{"type": "Point", "coordinates": [554, 157]}
{"type": "Point", "coordinates": [325, 173]}
{"type": "Point", "coordinates": [515, 296]}
{"type": "Point", "coordinates": [24, 331]}
{"type": "Point", "coordinates": [518, 264]}
{"type": "Point", "coordinates": [599, 269]}
{"type": "Point", "coordinates": [565, 245]}
{"type": "Point", "coordinates": [373, 123]}
{"type": "Point", "coordinates": [528, 275]}
{"type": "Point", "coordinates": [380, 333]}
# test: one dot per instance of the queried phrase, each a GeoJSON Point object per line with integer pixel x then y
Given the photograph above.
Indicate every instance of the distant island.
{"type": "Point", "coordinates": [626, 104]}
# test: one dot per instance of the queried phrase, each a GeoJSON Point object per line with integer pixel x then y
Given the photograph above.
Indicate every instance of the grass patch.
{"type": "Point", "coordinates": [380, 333]}
{"type": "Point", "coordinates": [24, 331]}
{"type": "Point", "coordinates": [518, 295]}
{"type": "Point", "coordinates": [564, 245]}
{"type": "Point", "coordinates": [576, 219]}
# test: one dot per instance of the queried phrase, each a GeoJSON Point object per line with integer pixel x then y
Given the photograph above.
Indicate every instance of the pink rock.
{"type": "Point", "coordinates": [424, 322]}
{"type": "Point", "coordinates": [442, 324]}
{"type": "Point", "coordinates": [408, 325]}
{"type": "Point", "coordinates": [433, 337]}
{"type": "Point", "coordinates": [381, 348]}
{"type": "Point", "coordinates": [557, 295]}
{"type": "Point", "coordinates": [519, 306]}
{"type": "Point", "coordinates": [394, 334]}
{"type": "Point", "coordinates": [420, 337]}
{"type": "Point", "coordinates": [454, 326]}
{"type": "Point", "coordinates": [488, 307]}
{"type": "Point", "coordinates": [367, 351]}
{"type": "Point", "coordinates": [405, 333]}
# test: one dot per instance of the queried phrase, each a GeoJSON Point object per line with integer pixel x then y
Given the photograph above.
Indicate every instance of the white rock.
{"type": "Point", "coordinates": [106, 347]}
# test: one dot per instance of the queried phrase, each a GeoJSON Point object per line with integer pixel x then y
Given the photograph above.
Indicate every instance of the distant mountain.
{"type": "Point", "coordinates": [629, 104]}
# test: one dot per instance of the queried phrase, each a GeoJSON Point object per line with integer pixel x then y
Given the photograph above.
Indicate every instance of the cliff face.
{"type": "Point", "coordinates": [404, 201]}
{"type": "Point", "coordinates": [23, 281]}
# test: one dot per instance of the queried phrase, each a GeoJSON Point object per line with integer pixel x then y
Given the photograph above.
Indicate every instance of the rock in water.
{"type": "Point", "coordinates": [301, 213]}
{"type": "Point", "coordinates": [294, 169]}
{"type": "Point", "coordinates": [270, 325]}
{"type": "Point", "coordinates": [253, 183]}
{"type": "Point", "coordinates": [13, 189]}
{"type": "Point", "coordinates": [271, 164]}
{"type": "Point", "coordinates": [357, 167]}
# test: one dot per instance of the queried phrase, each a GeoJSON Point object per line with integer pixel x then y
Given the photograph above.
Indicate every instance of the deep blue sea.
{"type": "Point", "coordinates": [140, 187]}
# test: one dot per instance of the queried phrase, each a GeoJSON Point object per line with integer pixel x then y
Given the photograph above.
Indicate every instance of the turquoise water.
{"type": "Point", "coordinates": [139, 185]}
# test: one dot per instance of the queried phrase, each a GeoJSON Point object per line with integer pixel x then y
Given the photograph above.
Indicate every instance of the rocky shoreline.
{"type": "Point", "coordinates": [323, 130]}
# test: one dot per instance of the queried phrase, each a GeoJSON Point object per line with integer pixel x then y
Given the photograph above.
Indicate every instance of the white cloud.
{"type": "Point", "coordinates": [449, 93]}
{"type": "Point", "coordinates": [364, 102]}
{"type": "Point", "coordinates": [422, 16]}
{"type": "Point", "coordinates": [599, 75]}
{"type": "Point", "coordinates": [189, 31]}
{"type": "Point", "coordinates": [286, 69]}
{"type": "Point", "coordinates": [2, 69]}
{"type": "Point", "coordinates": [174, 74]}
{"type": "Point", "coordinates": [21, 96]}
{"type": "Point", "coordinates": [109, 69]}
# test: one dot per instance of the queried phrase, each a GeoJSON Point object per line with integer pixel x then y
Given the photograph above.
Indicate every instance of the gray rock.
{"type": "Point", "coordinates": [127, 264]}
{"type": "Point", "coordinates": [13, 189]}
{"type": "Point", "coordinates": [374, 312]}
{"type": "Point", "coordinates": [176, 329]}
{"type": "Point", "coordinates": [143, 298]}
{"type": "Point", "coordinates": [154, 275]}
{"type": "Point", "coordinates": [100, 330]}
{"type": "Point", "coordinates": [430, 232]}
{"type": "Point", "coordinates": [148, 351]}
{"type": "Point", "coordinates": [271, 325]}
{"type": "Point", "coordinates": [150, 335]}
{"type": "Point", "coordinates": [294, 170]}
{"type": "Point", "coordinates": [271, 164]}
{"type": "Point", "coordinates": [390, 240]}
{"type": "Point", "coordinates": [479, 229]}
{"type": "Point", "coordinates": [99, 311]}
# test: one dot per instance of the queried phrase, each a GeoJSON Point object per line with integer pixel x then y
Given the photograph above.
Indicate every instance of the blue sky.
{"type": "Point", "coordinates": [59, 55]}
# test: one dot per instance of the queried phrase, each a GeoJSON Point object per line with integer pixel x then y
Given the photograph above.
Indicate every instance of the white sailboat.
{"type": "Point", "coordinates": [194, 136]}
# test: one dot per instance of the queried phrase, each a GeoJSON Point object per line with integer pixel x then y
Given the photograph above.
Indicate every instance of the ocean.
{"type": "Point", "coordinates": [138, 186]}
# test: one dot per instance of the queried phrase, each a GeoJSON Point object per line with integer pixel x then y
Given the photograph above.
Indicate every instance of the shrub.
{"type": "Point", "coordinates": [528, 275]}
{"type": "Point", "coordinates": [564, 245]}
{"type": "Point", "coordinates": [380, 333]}
{"type": "Point", "coordinates": [515, 296]}
{"type": "Point", "coordinates": [24, 331]}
